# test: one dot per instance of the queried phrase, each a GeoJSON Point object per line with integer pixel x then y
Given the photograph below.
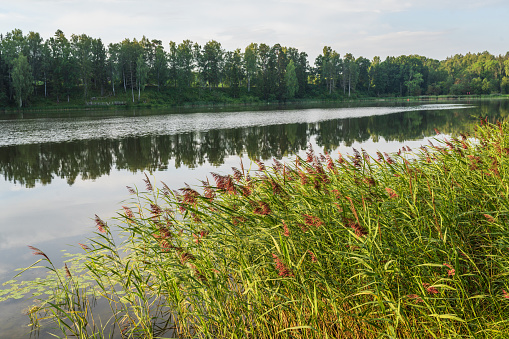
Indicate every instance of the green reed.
{"type": "Point", "coordinates": [409, 245]}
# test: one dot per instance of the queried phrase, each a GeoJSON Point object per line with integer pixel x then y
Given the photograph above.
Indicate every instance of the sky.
{"type": "Point", "coordinates": [432, 28]}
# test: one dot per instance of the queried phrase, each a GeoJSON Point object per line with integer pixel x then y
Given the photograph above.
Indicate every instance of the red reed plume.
{"type": "Point", "coordinates": [391, 192]}
{"type": "Point", "coordinates": [128, 212]}
{"type": "Point", "coordinates": [37, 251]}
{"type": "Point", "coordinates": [100, 224]}
{"type": "Point", "coordinates": [260, 164]}
{"type": "Point", "coordinates": [85, 247]}
{"type": "Point", "coordinates": [67, 272]}
{"type": "Point", "coordinates": [283, 271]}
{"type": "Point", "coordinates": [286, 230]}
{"type": "Point", "coordinates": [451, 272]}
{"type": "Point", "coordinates": [489, 218]}
{"type": "Point", "coordinates": [430, 289]}
{"type": "Point", "coordinates": [310, 154]}
{"type": "Point", "coordinates": [313, 257]}
{"type": "Point", "coordinates": [237, 174]}
{"type": "Point", "coordinates": [148, 184]}
{"type": "Point", "coordinates": [311, 220]}
{"type": "Point", "coordinates": [415, 297]}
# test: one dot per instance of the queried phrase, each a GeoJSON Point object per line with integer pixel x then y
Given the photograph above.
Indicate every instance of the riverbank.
{"type": "Point", "coordinates": [170, 100]}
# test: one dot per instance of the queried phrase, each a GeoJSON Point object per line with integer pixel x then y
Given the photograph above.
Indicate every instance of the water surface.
{"type": "Point", "coordinates": [59, 169]}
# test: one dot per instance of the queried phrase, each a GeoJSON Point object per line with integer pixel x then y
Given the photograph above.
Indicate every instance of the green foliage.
{"type": "Point", "coordinates": [22, 79]}
{"type": "Point", "coordinates": [505, 85]}
{"type": "Point", "coordinates": [292, 85]}
{"type": "Point", "coordinates": [141, 74]}
{"type": "Point", "coordinates": [209, 62]}
{"type": "Point", "coordinates": [250, 63]}
{"type": "Point", "coordinates": [410, 245]}
{"type": "Point", "coordinates": [413, 84]}
{"type": "Point", "coordinates": [82, 63]}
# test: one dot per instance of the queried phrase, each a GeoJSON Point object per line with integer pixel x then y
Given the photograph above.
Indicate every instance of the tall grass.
{"type": "Point", "coordinates": [410, 245]}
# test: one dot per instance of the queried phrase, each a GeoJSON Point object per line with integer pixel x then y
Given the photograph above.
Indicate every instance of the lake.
{"type": "Point", "coordinates": [59, 169]}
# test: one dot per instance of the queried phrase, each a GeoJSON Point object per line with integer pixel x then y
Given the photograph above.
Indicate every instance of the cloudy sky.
{"type": "Point", "coordinates": [433, 28]}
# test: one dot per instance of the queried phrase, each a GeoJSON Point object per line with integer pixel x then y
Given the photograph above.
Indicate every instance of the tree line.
{"type": "Point", "coordinates": [79, 67]}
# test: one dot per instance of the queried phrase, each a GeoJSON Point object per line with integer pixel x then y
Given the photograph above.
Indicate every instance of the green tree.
{"type": "Point", "coordinates": [233, 70]}
{"type": "Point", "coordinates": [250, 63]}
{"type": "Point", "coordinates": [141, 74]}
{"type": "Point", "coordinates": [363, 84]}
{"type": "Point", "coordinates": [292, 84]}
{"type": "Point", "coordinates": [172, 63]}
{"type": "Point", "coordinates": [328, 65]}
{"type": "Point", "coordinates": [82, 51]}
{"type": "Point", "coordinates": [34, 50]}
{"type": "Point", "coordinates": [267, 71]}
{"type": "Point", "coordinates": [300, 60]}
{"type": "Point", "coordinates": [182, 61]}
{"type": "Point", "coordinates": [99, 65]}
{"type": "Point", "coordinates": [378, 76]}
{"type": "Point", "coordinates": [160, 68]}
{"type": "Point", "coordinates": [281, 61]}
{"type": "Point", "coordinates": [187, 60]}
{"type": "Point", "coordinates": [350, 74]}
{"type": "Point", "coordinates": [210, 63]}
{"type": "Point", "coordinates": [63, 65]}
{"type": "Point", "coordinates": [128, 59]}
{"type": "Point", "coordinates": [413, 83]}
{"type": "Point", "coordinates": [504, 85]}
{"type": "Point", "coordinates": [113, 65]}
{"type": "Point", "coordinates": [46, 65]}
{"type": "Point", "coordinates": [22, 79]}
{"type": "Point", "coordinates": [12, 45]}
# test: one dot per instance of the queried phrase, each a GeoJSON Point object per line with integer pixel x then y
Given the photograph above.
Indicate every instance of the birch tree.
{"type": "Point", "coordinates": [22, 79]}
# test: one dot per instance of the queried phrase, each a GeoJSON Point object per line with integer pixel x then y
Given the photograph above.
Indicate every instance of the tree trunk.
{"type": "Point", "coordinates": [249, 83]}
{"type": "Point", "coordinates": [349, 84]}
{"type": "Point", "coordinates": [132, 85]}
{"type": "Point", "coordinates": [125, 86]}
{"type": "Point", "coordinates": [20, 102]}
{"type": "Point", "coordinates": [10, 86]}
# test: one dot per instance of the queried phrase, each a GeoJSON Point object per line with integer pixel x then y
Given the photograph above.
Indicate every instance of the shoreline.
{"type": "Point", "coordinates": [272, 104]}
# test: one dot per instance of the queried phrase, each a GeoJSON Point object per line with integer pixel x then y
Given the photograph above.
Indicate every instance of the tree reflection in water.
{"type": "Point", "coordinates": [93, 158]}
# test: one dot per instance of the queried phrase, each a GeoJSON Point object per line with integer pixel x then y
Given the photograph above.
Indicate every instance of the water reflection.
{"type": "Point", "coordinates": [28, 164]}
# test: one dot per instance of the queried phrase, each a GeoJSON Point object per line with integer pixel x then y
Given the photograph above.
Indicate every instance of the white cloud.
{"type": "Point", "coordinates": [363, 27]}
{"type": "Point", "coordinates": [404, 37]}
{"type": "Point", "coordinates": [359, 6]}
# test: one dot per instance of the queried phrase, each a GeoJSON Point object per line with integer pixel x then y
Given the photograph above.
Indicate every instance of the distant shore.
{"type": "Point", "coordinates": [115, 103]}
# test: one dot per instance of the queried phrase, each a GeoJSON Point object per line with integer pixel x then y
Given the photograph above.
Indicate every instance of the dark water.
{"type": "Point", "coordinates": [59, 169]}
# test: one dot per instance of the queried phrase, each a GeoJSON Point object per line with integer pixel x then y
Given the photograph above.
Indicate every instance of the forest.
{"type": "Point", "coordinates": [80, 70]}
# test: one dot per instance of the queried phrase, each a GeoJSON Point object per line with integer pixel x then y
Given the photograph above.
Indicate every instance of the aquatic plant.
{"type": "Point", "coordinates": [410, 245]}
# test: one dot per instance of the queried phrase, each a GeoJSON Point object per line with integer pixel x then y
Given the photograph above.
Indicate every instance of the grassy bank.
{"type": "Point", "coordinates": [215, 98]}
{"type": "Point", "coordinates": [399, 246]}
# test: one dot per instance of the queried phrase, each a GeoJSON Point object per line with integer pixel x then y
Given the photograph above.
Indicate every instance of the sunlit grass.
{"type": "Point", "coordinates": [399, 246]}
